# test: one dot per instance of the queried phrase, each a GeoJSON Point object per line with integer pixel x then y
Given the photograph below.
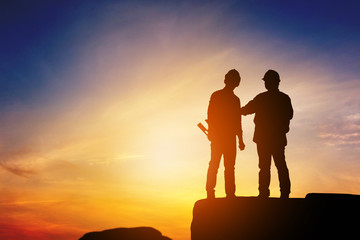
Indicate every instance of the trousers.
{"type": "Point", "coordinates": [265, 152]}
{"type": "Point", "coordinates": [228, 150]}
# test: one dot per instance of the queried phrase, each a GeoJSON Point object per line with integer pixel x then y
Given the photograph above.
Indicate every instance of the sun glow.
{"type": "Point", "coordinates": [113, 141]}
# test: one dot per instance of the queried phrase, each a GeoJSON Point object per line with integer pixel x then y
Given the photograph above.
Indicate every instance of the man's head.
{"type": "Point", "coordinates": [272, 80]}
{"type": "Point", "coordinates": [232, 79]}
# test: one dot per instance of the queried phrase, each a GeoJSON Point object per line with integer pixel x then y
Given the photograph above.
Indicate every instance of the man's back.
{"type": "Point", "coordinates": [273, 112]}
{"type": "Point", "coordinates": [224, 116]}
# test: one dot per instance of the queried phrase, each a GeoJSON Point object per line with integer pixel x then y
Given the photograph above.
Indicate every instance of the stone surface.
{"type": "Point", "coordinates": [138, 233]}
{"type": "Point", "coordinates": [318, 216]}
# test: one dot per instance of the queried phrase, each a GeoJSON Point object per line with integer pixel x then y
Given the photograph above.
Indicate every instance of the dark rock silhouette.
{"type": "Point", "coordinates": [318, 216]}
{"type": "Point", "coordinates": [138, 233]}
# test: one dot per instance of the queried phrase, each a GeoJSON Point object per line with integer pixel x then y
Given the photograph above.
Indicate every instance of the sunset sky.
{"type": "Point", "coordinates": [100, 101]}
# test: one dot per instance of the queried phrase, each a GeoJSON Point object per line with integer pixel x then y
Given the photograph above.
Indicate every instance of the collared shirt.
{"type": "Point", "coordinates": [224, 117]}
{"type": "Point", "coordinates": [273, 112]}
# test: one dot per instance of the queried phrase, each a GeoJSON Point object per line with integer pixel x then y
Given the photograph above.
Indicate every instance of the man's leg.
{"type": "Point", "coordinates": [229, 163]}
{"type": "Point", "coordinates": [283, 172]}
{"type": "Point", "coordinates": [264, 173]}
{"type": "Point", "coordinates": [213, 169]}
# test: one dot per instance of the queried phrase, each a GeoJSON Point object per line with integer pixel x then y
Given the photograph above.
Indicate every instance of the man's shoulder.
{"type": "Point", "coordinates": [261, 95]}
{"type": "Point", "coordinates": [284, 95]}
{"type": "Point", "coordinates": [216, 94]}
{"type": "Point", "coordinates": [270, 94]}
{"type": "Point", "coordinates": [221, 94]}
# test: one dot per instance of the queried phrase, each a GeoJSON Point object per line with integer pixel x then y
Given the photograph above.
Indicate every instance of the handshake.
{"type": "Point", "coordinates": [206, 131]}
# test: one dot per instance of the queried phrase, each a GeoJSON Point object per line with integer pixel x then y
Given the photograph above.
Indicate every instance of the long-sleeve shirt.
{"type": "Point", "coordinates": [224, 117]}
{"type": "Point", "coordinates": [273, 112]}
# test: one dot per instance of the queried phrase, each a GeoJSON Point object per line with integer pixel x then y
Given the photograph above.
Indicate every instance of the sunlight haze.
{"type": "Point", "coordinates": [108, 138]}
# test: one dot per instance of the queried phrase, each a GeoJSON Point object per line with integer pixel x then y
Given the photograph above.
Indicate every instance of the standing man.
{"type": "Point", "coordinates": [224, 119]}
{"type": "Point", "coordinates": [273, 112]}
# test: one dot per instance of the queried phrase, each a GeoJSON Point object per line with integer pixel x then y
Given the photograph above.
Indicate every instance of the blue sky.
{"type": "Point", "coordinates": [42, 32]}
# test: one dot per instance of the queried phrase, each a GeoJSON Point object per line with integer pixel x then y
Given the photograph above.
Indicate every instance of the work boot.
{"type": "Point", "coordinates": [230, 196]}
{"type": "Point", "coordinates": [284, 195]}
{"type": "Point", "coordinates": [263, 195]}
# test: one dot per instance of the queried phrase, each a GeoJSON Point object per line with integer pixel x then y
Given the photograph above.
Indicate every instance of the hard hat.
{"type": "Point", "coordinates": [271, 75]}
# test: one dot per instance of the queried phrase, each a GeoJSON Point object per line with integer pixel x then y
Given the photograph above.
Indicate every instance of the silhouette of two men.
{"type": "Point", "coordinates": [273, 112]}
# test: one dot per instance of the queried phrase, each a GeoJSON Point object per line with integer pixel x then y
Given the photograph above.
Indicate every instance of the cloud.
{"type": "Point", "coordinates": [17, 170]}
{"type": "Point", "coordinates": [339, 124]}
{"type": "Point", "coordinates": [38, 229]}
{"type": "Point", "coordinates": [23, 162]}
{"type": "Point", "coordinates": [342, 132]}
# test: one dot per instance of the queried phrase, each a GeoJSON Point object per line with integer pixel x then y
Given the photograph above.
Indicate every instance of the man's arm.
{"type": "Point", "coordinates": [289, 114]}
{"type": "Point", "coordinates": [210, 118]}
{"type": "Point", "coordinates": [249, 108]}
{"type": "Point", "coordinates": [291, 110]}
{"type": "Point", "coordinates": [240, 131]}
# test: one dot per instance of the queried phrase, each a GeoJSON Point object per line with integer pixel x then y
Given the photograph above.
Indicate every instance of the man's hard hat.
{"type": "Point", "coordinates": [271, 75]}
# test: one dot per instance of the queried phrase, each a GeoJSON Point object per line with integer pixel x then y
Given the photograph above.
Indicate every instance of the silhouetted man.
{"type": "Point", "coordinates": [224, 119]}
{"type": "Point", "coordinates": [273, 112]}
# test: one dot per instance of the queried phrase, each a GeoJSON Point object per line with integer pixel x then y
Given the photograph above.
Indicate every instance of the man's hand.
{"type": "Point", "coordinates": [241, 144]}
